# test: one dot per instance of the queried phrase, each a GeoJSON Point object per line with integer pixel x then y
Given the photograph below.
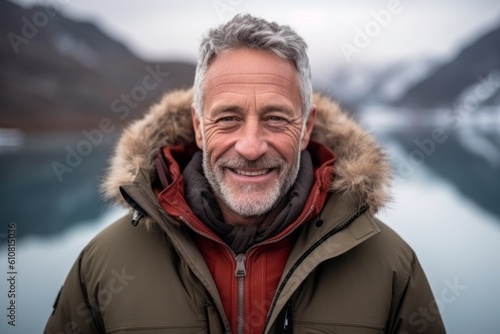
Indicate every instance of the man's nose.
{"type": "Point", "coordinates": [251, 143]}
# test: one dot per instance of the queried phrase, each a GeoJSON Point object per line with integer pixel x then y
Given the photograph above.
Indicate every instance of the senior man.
{"type": "Point", "coordinates": [252, 209]}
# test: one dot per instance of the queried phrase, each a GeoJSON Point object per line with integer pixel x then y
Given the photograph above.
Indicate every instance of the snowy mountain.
{"type": "Point", "coordinates": [359, 85]}
{"type": "Point", "coordinates": [60, 74]}
{"type": "Point", "coordinates": [449, 121]}
{"type": "Point", "coordinates": [477, 64]}
{"type": "Point", "coordinates": [65, 87]}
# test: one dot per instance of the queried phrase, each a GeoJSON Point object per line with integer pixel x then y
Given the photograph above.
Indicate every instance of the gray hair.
{"type": "Point", "coordinates": [246, 31]}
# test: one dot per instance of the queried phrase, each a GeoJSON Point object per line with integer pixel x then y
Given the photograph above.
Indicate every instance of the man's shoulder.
{"type": "Point", "coordinates": [389, 241]}
{"type": "Point", "coordinates": [382, 258]}
{"type": "Point", "coordinates": [384, 251]}
{"type": "Point", "coordinates": [391, 237]}
{"type": "Point", "coordinates": [122, 232]}
{"type": "Point", "coordinates": [390, 248]}
{"type": "Point", "coordinates": [121, 243]}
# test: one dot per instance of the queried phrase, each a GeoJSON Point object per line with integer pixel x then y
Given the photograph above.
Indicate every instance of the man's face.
{"type": "Point", "coordinates": [252, 132]}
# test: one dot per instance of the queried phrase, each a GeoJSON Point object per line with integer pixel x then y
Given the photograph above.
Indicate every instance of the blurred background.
{"type": "Point", "coordinates": [422, 76]}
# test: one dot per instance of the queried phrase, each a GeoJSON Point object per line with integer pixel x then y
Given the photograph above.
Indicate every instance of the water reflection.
{"type": "Point", "coordinates": [43, 263]}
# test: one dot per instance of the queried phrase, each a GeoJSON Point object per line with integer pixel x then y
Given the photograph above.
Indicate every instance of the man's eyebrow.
{"type": "Point", "coordinates": [277, 107]}
{"type": "Point", "coordinates": [227, 108]}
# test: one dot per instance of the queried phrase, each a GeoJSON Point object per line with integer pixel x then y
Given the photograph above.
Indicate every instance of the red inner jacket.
{"type": "Point", "coordinates": [264, 262]}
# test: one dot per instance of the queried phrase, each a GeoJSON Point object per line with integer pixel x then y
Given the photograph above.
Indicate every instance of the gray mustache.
{"type": "Point", "coordinates": [261, 163]}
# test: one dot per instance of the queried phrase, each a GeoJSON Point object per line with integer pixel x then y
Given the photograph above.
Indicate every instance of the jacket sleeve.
{"type": "Point", "coordinates": [73, 311]}
{"type": "Point", "coordinates": [417, 310]}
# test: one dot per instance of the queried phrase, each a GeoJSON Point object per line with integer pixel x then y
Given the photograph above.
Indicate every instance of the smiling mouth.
{"type": "Point", "coordinates": [251, 172]}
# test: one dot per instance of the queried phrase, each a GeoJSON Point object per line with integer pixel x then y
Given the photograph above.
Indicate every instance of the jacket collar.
{"type": "Point", "coordinates": [171, 193]}
{"type": "Point", "coordinates": [361, 167]}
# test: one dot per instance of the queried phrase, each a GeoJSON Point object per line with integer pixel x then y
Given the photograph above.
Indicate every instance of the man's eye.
{"type": "Point", "coordinates": [275, 118]}
{"type": "Point", "coordinates": [227, 119]}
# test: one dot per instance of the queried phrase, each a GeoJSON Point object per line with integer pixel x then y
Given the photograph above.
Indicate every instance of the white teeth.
{"type": "Point", "coordinates": [251, 173]}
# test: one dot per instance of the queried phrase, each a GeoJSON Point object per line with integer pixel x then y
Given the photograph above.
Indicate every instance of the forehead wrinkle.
{"type": "Point", "coordinates": [246, 73]}
{"type": "Point", "coordinates": [244, 89]}
{"type": "Point", "coordinates": [241, 88]}
{"type": "Point", "coordinates": [221, 104]}
{"type": "Point", "coordinates": [228, 96]}
{"type": "Point", "coordinates": [253, 78]}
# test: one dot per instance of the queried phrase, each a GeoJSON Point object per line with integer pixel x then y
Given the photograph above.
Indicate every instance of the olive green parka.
{"type": "Point", "coordinates": [347, 271]}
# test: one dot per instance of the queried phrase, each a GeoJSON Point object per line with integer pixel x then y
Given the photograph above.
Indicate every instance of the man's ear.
{"type": "Point", "coordinates": [311, 120]}
{"type": "Point", "coordinates": [197, 128]}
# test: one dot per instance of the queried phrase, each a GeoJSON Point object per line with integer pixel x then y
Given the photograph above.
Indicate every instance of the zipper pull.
{"type": "Point", "coordinates": [285, 318]}
{"type": "Point", "coordinates": [136, 218]}
{"type": "Point", "coordinates": [241, 270]}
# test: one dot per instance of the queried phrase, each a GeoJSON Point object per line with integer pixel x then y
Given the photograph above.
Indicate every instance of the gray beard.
{"type": "Point", "coordinates": [243, 205]}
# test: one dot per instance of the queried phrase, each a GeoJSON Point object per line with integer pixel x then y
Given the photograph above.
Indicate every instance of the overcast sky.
{"type": "Point", "coordinates": [171, 30]}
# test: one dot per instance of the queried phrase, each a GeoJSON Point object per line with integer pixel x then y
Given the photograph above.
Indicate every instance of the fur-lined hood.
{"type": "Point", "coordinates": [361, 166]}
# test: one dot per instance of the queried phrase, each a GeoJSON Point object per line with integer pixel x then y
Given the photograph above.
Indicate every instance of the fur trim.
{"type": "Point", "coordinates": [361, 167]}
